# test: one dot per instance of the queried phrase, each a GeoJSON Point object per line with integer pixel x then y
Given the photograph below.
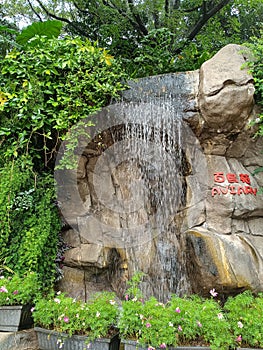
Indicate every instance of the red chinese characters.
{"type": "Point", "coordinates": [234, 184]}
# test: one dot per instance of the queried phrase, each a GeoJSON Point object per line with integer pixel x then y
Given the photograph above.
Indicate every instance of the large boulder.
{"type": "Point", "coordinates": [226, 90]}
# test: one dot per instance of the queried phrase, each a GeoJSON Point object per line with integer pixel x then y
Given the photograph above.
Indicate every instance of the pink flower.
{"type": "Point", "coordinates": [239, 338]}
{"type": "Point", "coordinates": [163, 346]}
{"type": "Point", "coordinates": [15, 292]}
{"type": "Point", "coordinates": [213, 292]}
{"type": "Point", "coordinates": [66, 319]}
{"type": "Point", "coordinates": [178, 310]}
{"type": "Point", "coordinates": [3, 289]}
{"type": "Point", "coordinates": [126, 297]}
{"type": "Point", "coordinates": [180, 328]}
{"type": "Point", "coordinates": [199, 324]}
{"type": "Point", "coordinates": [148, 325]}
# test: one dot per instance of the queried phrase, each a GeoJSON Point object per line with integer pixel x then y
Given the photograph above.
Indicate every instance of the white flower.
{"type": "Point", "coordinates": [112, 302]}
{"type": "Point", "coordinates": [220, 316]}
{"type": "Point", "coordinates": [171, 324]}
{"type": "Point", "coordinates": [60, 317]}
{"type": "Point", "coordinates": [59, 292]}
{"type": "Point", "coordinates": [57, 300]}
{"type": "Point", "coordinates": [240, 324]}
{"type": "Point", "coordinates": [3, 289]}
{"type": "Point", "coordinates": [97, 314]}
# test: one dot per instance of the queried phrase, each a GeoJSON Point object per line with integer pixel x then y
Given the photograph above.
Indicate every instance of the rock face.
{"type": "Point", "coordinates": [182, 203]}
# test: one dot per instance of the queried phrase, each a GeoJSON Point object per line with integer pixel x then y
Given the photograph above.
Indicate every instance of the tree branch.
{"type": "Point", "coordinates": [62, 19]}
{"type": "Point", "coordinates": [201, 22]}
{"type": "Point", "coordinates": [80, 9]}
{"type": "Point", "coordinates": [34, 11]}
{"type": "Point", "coordinates": [137, 18]}
{"type": "Point", "coordinates": [205, 17]}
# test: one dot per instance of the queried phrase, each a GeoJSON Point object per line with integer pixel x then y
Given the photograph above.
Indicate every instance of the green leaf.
{"type": "Point", "coordinates": [8, 30]}
{"type": "Point", "coordinates": [49, 29]}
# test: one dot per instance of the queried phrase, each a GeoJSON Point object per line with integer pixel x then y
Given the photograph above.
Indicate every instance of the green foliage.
{"type": "Point", "coordinates": [181, 321]}
{"type": "Point", "coordinates": [130, 323]}
{"type": "Point", "coordinates": [48, 29]}
{"type": "Point", "coordinates": [29, 221]}
{"type": "Point", "coordinates": [95, 318]}
{"type": "Point", "coordinates": [153, 36]}
{"type": "Point", "coordinates": [19, 290]}
{"type": "Point", "coordinates": [244, 313]}
{"type": "Point", "coordinates": [256, 68]}
{"type": "Point", "coordinates": [157, 330]}
{"type": "Point", "coordinates": [8, 33]}
{"type": "Point", "coordinates": [193, 320]}
{"type": "Point", "coordinates": [47, 88]}
{"type": "Point", "coordinates": [12, 182]}
{"type": "Point", "coordinates": [134, 290]}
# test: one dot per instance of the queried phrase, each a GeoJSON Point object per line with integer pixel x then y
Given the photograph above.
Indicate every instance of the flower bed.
{"type": "Point", "coordinates": [94, 319]}
{"type": "Point", "coordinates": [192, 321]}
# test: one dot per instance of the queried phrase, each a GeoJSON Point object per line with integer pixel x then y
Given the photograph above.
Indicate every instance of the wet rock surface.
{"type": "Point", "coordinates": [213, 236]}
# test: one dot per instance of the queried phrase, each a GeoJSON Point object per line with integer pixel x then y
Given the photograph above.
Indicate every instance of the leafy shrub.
{"type": "Point", "coordinates": [49, 86]}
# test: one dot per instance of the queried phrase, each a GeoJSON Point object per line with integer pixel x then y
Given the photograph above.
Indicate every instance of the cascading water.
{"type": "Point", "coordinates": [131, 194]}
{"type": "Point", "coordinates": [146, 165]}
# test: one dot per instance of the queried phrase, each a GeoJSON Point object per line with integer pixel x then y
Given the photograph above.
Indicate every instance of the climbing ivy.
{"type": "Point", "coordinates": [29, 221]}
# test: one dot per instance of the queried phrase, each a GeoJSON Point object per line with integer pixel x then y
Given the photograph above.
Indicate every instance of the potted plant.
{"type": "Point", "coordinates": [63, 322]}
{"type": "Point", "coordinates": [17, 294]}
{"type": "Point", "coordinates": [181, 323]}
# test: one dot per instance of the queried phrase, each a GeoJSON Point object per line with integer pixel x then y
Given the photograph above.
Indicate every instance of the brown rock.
{"type": "Point", "coordinates": [226, 90]}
